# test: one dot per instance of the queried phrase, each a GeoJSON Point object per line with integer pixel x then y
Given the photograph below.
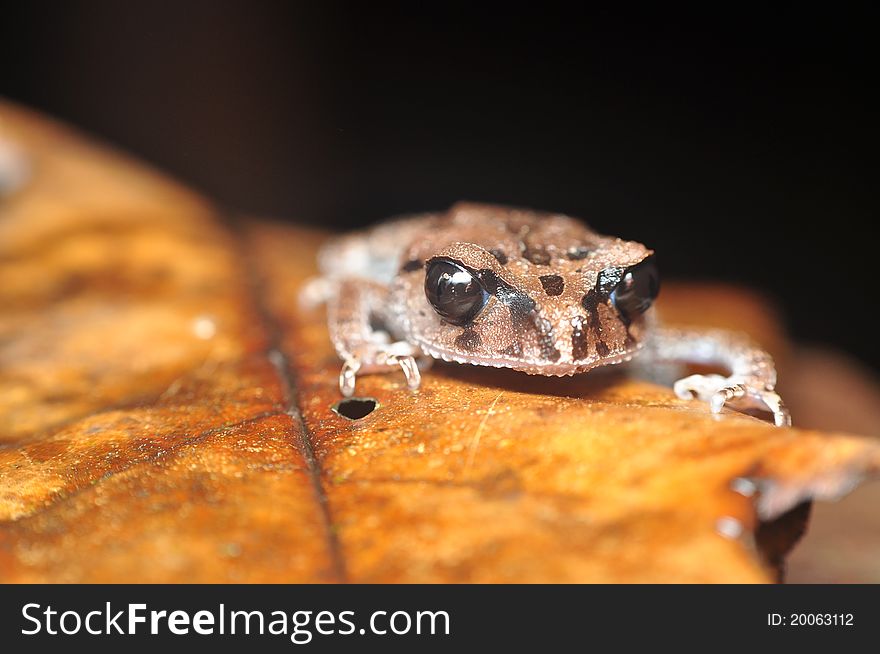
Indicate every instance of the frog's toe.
{"type": "Point", "coordinates": [381, 362]}
{"type": "Point", "coordinates": [348, 376]}
{"type": "Point", "coordinates": [410, 370]}
{"type": "Point", "coordinates": [724, 395]}
{"type": "Point", "coordinates": [718, 391]}
{"type": "Point", "coordinates": [774, 403]}
{"type": "Point", "coordinates": [701, 387]}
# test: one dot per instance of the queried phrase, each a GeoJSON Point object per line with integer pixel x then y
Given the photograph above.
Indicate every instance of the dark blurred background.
{"type": "Point", "coordinates": [740, 142]}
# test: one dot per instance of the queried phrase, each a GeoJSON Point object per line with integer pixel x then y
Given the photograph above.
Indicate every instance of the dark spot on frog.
{"type": "Point", "coordinates": [579, 344]}
{"type": "Point", "coordinates": [608, 279]}
{"type": "Point", "coordinates": [519, 303]}
{"type": "Point", "coordinates": [499, 255]}
{"type": "Point", "coordinates": [591, 302]}
{"type": "Point", "coordinates": [605, 285]}
{"type": "Point", "coordinates": [553, 284]}
{"type": "Point", "coordinates": [468, 340]}
{"type": "Point", "coordinates": [545, 333]}
{"type": "Point", "coordinates": [578, 253]}
{"type": "Point", "coordinates": [537, 256]}
{"type": "Point", "coordinates": [524, 313]}
{"type": "Point", "coordinates": [412, 265]}
{"type": "Point", "coordinates": [515, 349]}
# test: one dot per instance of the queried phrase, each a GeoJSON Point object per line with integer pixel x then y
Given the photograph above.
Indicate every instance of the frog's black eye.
{"type": "Point", "coordinates": [636, 290]}
{"type": "Point", "coordinates": [456, 295]}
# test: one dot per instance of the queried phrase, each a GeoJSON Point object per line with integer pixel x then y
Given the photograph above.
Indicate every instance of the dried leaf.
{"type": "Point", "coordinates": [165, 415]}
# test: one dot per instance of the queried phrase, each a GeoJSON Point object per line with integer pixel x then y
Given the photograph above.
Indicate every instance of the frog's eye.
{"type": "Point", "coordinates": [636, 290]}
{"type": "Point", "coordinates": [456, 295]}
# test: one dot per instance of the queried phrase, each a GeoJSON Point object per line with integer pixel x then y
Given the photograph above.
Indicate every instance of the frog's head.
{"type": "Point", "coordinates": [518, 289]}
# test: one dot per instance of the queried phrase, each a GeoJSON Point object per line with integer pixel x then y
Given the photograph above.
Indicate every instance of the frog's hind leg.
{"type": "Point", "coordinates": [316, 292]}
{"type": "Point", "coordinates": [359, 331]}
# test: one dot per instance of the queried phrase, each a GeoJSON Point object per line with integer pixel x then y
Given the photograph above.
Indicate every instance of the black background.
{"type": "Point", "coordinates": [740, 142]}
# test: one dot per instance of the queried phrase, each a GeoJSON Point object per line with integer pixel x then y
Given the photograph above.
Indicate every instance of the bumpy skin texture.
{"type": "Point", "coordinates": [538, 267]}
{"type": "Point", "coordinates": [551, 308]}
{"type": "Point", "coordinates": [547, 314]}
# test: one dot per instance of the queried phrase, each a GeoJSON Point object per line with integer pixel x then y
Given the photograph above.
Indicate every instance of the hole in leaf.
{"type": "Point", "coordinates": [355, 408]}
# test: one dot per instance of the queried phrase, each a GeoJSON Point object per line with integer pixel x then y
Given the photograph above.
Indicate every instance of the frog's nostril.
{"type": "Point", "coordinates": [355, 408]}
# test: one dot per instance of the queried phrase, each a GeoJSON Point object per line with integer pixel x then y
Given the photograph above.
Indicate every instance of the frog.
{"type": "Point", "coordinates": [532, 291]}
{"type": "Point", "coordinates": [15, 167]}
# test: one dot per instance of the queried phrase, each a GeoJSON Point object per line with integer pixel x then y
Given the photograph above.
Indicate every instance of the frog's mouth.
{"type": "Point", "coordinates": [532, 366]}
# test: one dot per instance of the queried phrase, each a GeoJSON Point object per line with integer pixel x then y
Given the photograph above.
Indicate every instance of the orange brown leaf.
{"type": "Point", "coordinates": [166, 415]}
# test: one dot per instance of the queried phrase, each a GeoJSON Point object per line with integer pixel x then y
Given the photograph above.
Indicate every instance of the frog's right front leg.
{"type": "Point", "coordinates": [752, 376]}
{"type": "Point", "coordinates": [356, 316]}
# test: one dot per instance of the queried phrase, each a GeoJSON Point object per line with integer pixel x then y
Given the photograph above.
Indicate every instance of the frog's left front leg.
{"type": "Point", "coordinates": [752, 379]}
{"type": "Point", "coordinates": [357, 323]}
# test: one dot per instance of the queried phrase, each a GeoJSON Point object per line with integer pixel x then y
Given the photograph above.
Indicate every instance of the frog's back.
{"type": "Point", "coordinates": [374, 253]}
{"type": "Point", "coordinates": [378, 252]}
